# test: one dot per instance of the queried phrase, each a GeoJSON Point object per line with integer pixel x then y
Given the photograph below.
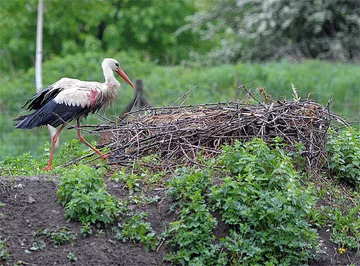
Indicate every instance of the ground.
{"type": "Point", "coordinates": [31, 205]}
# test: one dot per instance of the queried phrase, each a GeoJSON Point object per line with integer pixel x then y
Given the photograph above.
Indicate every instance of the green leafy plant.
{"type": "Point", "coordinates": [263, 198]}
{"type": "Point", "coordinates": [344, 155]}
{"type": "Point", "coordinates": [132, 181]}
{"type": "Point", "coordinates": [140, 178]}
{"type": "Point", "coordinates": [86, 230]}
{"type": "Point", "coordinates": [37, 245]}
{"type": "Point", "coordinates": [257, 193]}
{"type": "Point", "coordinates": [4, 253]}
{"type": "Point", "coordinates": [136, 229]}
{"type": "Point", "coordinates": [82, 192]}
{"type": "Point", "coordinates": [62, 236]}
{"type": "Point", "coordinates": [187, 182]}
{"type": "Point", "coordinates": [21, 165]}
{"type": "Point", "coordinates": [71, 257]}
{"type": "Point", "coordinates": [191, 236]}
{"type": "Point", "coordinates": [345, 227]}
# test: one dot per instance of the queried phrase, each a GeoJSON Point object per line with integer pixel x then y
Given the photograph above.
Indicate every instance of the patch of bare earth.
{"type": "Point", "coordinates": [32, 205]}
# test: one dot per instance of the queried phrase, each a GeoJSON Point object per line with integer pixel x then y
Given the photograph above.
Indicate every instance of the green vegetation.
{"type": "Point", "coordinates": [260, 30]}
{"type": "Point", "coordinates": [136, 229]}
{"type": "Point", "coordinates": [269, 211]}
{"type": "Point", "coordinates": [259, 197]}
{"type": "Point", "coordinates": [63, 236]}
{"type": "Point", "coordinates": [71, 257]}
{"type": "Point", "coordinates": [190, 31]}
{"type": "Point", "coordinates": [345, 227]}
{"type": "Point", "coordinates": [83, 194]}
{"type": "Point", "coordinates": [268, 208]}
{"type": "Point", "coordinates": [4, 253]}
{"type": "Point", "coordinates": [344, 151]}
{"type": "Point", "coordinates": [145, 26]}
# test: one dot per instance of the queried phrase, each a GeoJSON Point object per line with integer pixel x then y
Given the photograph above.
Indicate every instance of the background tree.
{"type": "Point", "coordinates": [71, 27]}
{"type": "Point", "coordinates": [268, 29]}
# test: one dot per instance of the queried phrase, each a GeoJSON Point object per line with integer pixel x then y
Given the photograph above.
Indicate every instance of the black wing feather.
{"type": "Point", "coordinates": [53, 114]}
{"type": "Point", "coordinates": [41, 98]}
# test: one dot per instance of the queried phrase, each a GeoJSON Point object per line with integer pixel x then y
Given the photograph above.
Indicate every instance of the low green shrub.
{"type": "Point", "coordinates": [343, 150]}
{"type": "Point", "coordinates": [82, 192]}
{"type": "Point", "coordinates": [62, 236]}
{"type": "Point", "coordinates": [192, 237]}
{"type": "Point", "coordinates": [258, 195]}
{"type": "Point", "coordinates": [345, 227]}
{"type": "Point", "coordinates": [262, 196]}
{"type": "Point", "coordinates": [136, 229]}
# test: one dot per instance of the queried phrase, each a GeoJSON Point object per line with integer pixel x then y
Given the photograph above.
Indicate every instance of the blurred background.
{"type": "Point", "coordinates": [173, 46]}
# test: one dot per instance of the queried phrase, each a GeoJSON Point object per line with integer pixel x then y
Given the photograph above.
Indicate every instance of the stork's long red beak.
{"type": "Point", "coordinates": [125, 77]}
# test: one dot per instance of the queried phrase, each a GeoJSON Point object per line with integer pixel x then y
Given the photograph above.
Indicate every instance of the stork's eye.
{"type": "Point", "coordinates": [117, 64]}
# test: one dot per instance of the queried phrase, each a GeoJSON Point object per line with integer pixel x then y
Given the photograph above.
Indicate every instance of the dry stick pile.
{"type": "Point", "coordinates": [175, 133]}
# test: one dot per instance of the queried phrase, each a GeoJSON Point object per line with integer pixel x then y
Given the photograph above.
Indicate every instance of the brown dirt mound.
{"type": "Point", "coordinates": [31, 205]}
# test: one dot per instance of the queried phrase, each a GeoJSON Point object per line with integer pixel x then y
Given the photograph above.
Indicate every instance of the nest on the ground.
{"type": "Point", "coordinates": [177, 133]}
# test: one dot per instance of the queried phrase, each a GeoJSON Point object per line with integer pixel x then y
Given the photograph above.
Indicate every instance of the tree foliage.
{"type": "Point", "coordinates": [71, 27]}
{"type": "Point", "coordinates": [270, 29]}
{"type": "Point", "coordinates": [216, 31]}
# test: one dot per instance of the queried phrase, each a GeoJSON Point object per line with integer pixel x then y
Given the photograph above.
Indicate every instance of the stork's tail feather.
{"type": "Point", "coordinates": [27, 121]}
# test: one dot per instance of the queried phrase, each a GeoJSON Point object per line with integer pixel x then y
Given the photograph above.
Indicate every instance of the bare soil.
{"type": "Point", "coordinates": [31, 204]}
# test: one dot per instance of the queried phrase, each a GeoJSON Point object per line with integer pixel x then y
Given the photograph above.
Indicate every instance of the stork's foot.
{"type": "Point", "coordinates": [47, 168]}
{"type": "Point", "coordinates": [106, 156]}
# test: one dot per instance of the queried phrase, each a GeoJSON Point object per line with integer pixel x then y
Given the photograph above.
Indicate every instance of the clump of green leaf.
{"type": "Point", "coordinates": [71, 257]}
{"type": "Point", "coordinates": [82, 192]}
{"type": "Point", "coordinates": [345, 227]}
{"type": "Point", "coordinates": [63, 236]}
{"type": "Point", "coordinates": [191, 236]}
{"type": "Point", "coordinates": [187, 182]}
{"type": "Point", "coordinates": [344, 155]}
{"type": "Point", "coordinates": [136, 229]}
{"type": "Point", "coordinates": [263, 198]}
{"type": "Point", "coordinates": [141, 178]}
{"type": "Point", "coordinates": [27, 164]}
{"type": "Point", "coordinates": [37, 245]}
{"type": "Point", "coordinates": [4, 253]}
{"type": "Point", "coordinates": [21, 165]}
{"type": "Point", "coordinates": [258, 194]}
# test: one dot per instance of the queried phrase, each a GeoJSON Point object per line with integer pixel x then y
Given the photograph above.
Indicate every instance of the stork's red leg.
{"type": "Point", "coordinates": [54, 140]}
{"type": "Point", "coordinates": [81, 138]}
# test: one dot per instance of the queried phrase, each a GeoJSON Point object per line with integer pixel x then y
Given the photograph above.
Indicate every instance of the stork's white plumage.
{"type": "Point", "coordinates": [69, 99]}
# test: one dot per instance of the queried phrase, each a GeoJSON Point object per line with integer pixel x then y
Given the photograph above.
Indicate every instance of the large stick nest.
{"type": "Point", "coordinates": [177, 133]}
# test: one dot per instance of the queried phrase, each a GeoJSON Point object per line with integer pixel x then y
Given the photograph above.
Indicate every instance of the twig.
{"type": "Point", "coordinates": [252, 96]}
{"type": "Point", "coordinates": [182, 96]}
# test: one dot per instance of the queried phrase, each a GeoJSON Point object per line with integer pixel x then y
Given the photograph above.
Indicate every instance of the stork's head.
{"type": "Point", "coordinates": [115, 66]}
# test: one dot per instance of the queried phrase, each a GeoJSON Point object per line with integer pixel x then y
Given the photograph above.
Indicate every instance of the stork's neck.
{"type": "Point", "coordinates": [110, 79]}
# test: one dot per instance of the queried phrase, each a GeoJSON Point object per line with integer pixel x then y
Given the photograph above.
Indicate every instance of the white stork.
{"type": "Point", "coordinates": [69, 99]}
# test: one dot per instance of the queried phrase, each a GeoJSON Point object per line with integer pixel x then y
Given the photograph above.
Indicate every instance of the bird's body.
{"type": "Point", "coordinates": [65, 100]}
{"type": "Point", "coordinates": [69, 99]}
